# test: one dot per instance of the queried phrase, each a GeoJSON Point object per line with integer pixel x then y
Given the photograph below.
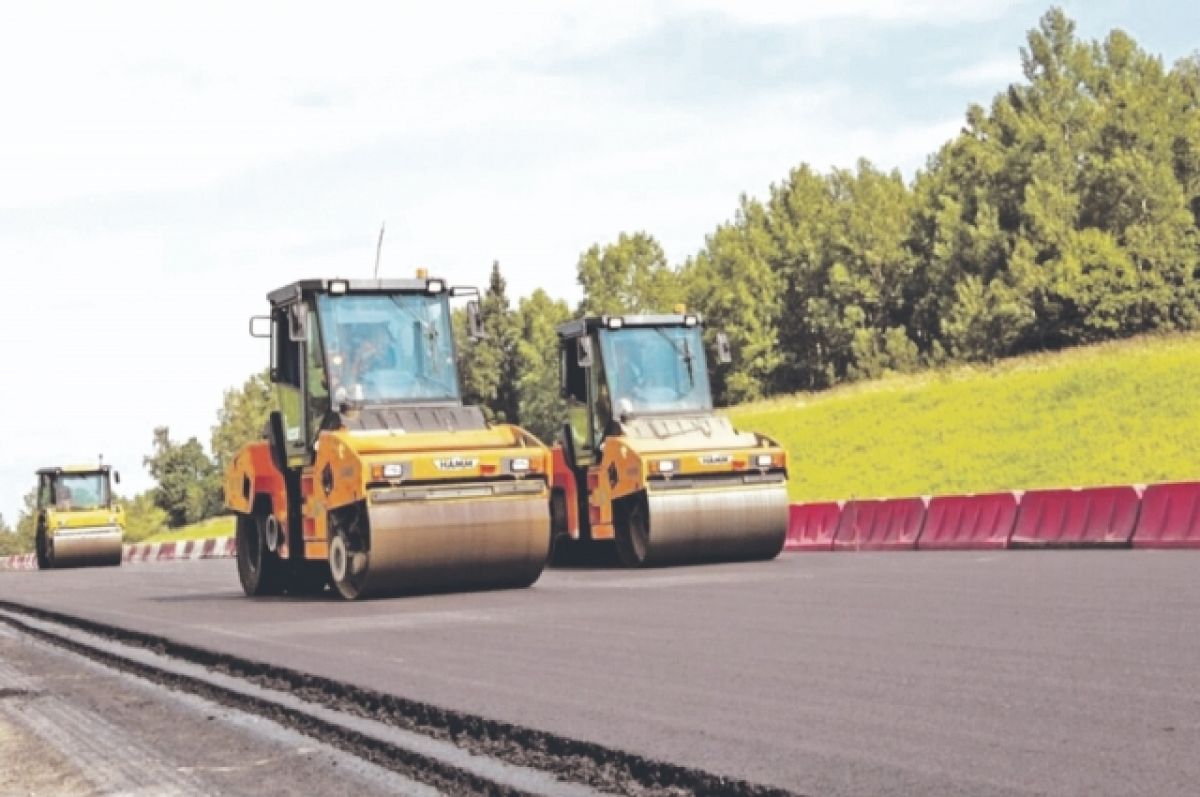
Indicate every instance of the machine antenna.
{"type": "Point", "coordinates": [378, 249]}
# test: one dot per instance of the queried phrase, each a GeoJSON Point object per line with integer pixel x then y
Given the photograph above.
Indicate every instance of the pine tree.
{"type": "Point", "coordinates": [489, 366]}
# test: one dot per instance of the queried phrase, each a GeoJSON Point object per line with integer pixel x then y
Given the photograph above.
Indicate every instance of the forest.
{"type": "Point", "coordinates": [1065, 212]}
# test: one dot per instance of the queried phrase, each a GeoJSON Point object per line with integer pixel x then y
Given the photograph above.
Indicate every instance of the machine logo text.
{"type": "Point", "coordinates": [455, 463]}
{"type": "Point", "coordinates": [714, 459]}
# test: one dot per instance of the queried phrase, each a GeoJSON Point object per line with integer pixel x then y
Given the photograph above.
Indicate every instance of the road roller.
{"type": "Point", "coordinates": [644, 461]}
{"type": "Point", "coordinates": [79, 524]}
{"type": "Point", "coordinates": [372, 475]}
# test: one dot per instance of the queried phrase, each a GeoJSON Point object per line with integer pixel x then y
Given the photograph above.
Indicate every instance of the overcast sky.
{"type": "Point", "coordinates": [163, 165]}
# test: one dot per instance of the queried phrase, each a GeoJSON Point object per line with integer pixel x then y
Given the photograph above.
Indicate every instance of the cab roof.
{"type": "Point", "coordinates": [313, 287]}
{"type": "Point", "coordinates": [55, 471]}
{"type": "Point", "coordinates": [581, 326]}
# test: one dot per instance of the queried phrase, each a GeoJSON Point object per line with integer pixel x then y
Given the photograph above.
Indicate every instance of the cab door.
{"type": "Point", "coordinates": [294, 432]}
{"type": "Point", "coordinates": [588, 416]}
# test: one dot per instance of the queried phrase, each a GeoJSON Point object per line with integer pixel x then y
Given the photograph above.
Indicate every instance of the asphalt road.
{"type": "Point", "coordinates": [1066, 672]}
{"type": "Point", "coordinates": [69, 727]}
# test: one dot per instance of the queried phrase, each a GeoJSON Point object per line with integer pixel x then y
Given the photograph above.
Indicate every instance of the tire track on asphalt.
{"type": "Point", "coordinates": [459, 752]}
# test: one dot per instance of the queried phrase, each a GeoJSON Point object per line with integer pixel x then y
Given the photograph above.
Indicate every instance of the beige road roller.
{"type": "Point", "coordinates": [373, 475]}
{"type": "Point", "coordinates": [645, 461]}
{"type": "Point", "coordinates": [79, 524]}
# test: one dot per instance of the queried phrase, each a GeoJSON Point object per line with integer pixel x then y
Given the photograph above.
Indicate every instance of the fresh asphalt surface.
{"type": "Point", "coordinates": [70, 727]}
{"type": "Point", "coordinates": [931, 673]}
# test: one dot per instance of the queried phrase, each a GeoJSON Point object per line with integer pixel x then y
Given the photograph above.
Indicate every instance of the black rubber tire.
{"type": "Point", "coordinates": [43, 551]}
{"type": "Point", "coordinates": [564, 551]}
{"type": "Point", "coordinates": [633, 533]}
{"type": "Point", "coordinates": [589, 554]}
{"type": "Point", "coordinates": [308, 578]}
{"type": "Point", "coordinates": [261, 571]}
{"type": "Point", "coordinates": [340, 567]}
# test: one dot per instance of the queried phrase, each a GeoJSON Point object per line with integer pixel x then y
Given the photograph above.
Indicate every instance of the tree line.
{"type": "Point", "coordinates": [1066, 212]}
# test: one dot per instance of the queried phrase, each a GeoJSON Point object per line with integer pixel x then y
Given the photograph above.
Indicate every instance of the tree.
{"type": "Point", "coordinates": [541, 407]}
{"type": "Point", "coordinates": [489, 366]}
{"type": "Point", "coordinates": [798, 219]}
{"type": "Point", "coordinates": [629, 276]}
{"type": "Point", "coordinates": [1066, 213]}
{"type": "Point", "coordinates": [143, 518]}
{"type": "Point", "coordinates": [242, 417]}
{"type": "Point", "coordinates": [732, 284]}
{"type": "Point", "coordinates": [21, 539]}
{"type": "Point", "coordinates": [189, 484]}
{"type": "Point", "coordinates": [12, 543]}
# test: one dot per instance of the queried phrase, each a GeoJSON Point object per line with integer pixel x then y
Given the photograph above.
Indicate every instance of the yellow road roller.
{"type": "Point", "coordinates": [79, 524]}
{"type": "Point", "coordinates": [372, 475]}
{"type": "Point", "coordinates": [645, 461]}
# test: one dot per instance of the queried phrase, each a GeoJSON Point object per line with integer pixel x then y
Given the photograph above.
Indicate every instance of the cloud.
{"type": "Point", "coordinates": [789, 12]}
{"type": "Point", "coordinates": [164, 167]}
{"type": "Point", "coordinates": [145, 96]}
{"type": "Point", "coordinates": [991, 72]}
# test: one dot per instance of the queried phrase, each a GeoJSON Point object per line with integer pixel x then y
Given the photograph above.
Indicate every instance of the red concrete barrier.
{"type": "Point", "coordinates": [881, 524]}
{"type": "Point", "coordinates": [1170, 517]}
{"type": "Point", "coordinates": [211, 548]}
{"type": "Point", "coordinates": [1097, 516]}
{"type": "Point", "coordinates": [811, 526]}
{"type": "Point", "coordinates": [20, 561]}
{"type": "Point", "coordinates": [969, 522]}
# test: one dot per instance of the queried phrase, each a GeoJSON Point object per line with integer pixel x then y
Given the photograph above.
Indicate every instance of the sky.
{"type": "Point", "coordinates": [164, 165]}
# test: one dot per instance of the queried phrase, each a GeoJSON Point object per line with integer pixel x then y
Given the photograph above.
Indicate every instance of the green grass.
{"type": "Point", "coordinates": [1118, 413]}
{"type": "Point", "coordinates": [213, 527]}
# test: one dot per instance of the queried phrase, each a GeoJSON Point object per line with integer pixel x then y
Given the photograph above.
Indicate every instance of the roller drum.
{"type": "Point", "coordinates": [84, 547]}
{"type": "Point", "coordinates": [437, 545]}
{"type": "Point", "coordinates": [726, 524]}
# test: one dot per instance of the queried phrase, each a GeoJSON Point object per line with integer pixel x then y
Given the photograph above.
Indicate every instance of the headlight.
{"type": "Point", "coordinates": [764, 460]}
{"type": "Point", "coordinates": [435, 286]}
{"type": "Point", "coordinates": [666, 466]}
{"type": "Point", "coordinates": [393, 471]}
{"type": "Point", "coordinates": [616, 323]}
{"type": "Point", "coordinates": [518, 464]}
{"type": "Point", "coordinates": [338, 287]}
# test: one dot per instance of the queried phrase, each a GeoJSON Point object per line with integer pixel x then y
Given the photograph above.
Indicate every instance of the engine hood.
{"type": "Point", "coordinates": [656, 435]}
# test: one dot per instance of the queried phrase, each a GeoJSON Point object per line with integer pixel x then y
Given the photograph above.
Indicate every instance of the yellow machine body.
{"type": "Point", "coordinates": [665, 477]}
{"type": "Point", "coordinates": [79, 522]}
{"type": "Point", "coordinates": [390, 497]}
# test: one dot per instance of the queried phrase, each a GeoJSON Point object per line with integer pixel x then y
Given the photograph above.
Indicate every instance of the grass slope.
{"type": "Point", "coordinates": [213, 527]}
{"type": "Point", "coordinates": [1116, 413]}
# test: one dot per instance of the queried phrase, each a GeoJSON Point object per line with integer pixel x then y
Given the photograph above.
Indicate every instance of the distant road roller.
{"type": "Point", "coordinates": [643, 459]}
{"type": "Point", "coordinates": [79, 524]}
{"type": "Point", "coordinates": [372, 474]}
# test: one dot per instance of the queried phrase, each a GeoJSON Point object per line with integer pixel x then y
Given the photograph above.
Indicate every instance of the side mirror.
{"type": "Point", "coordinates": [116, 477]}
{"type": "Point", "coordinates": [724, 352]}
{"type": "Point", "coordinates": [463, 290]}
{"type": "Point", "coordinates": [475, 328]}
{"type": "Point", "coordinates": [298, 323]}
{"type": "Point", "coordinates": [260, 326]}
{"type": "Point", "coordinates": [583, 351]}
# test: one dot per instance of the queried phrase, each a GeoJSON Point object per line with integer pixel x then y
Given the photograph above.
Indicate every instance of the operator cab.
{"type": "Point", "coordinates": [619, 368]}
{"type": "Point", "coordinates": [76, 488]}
{"type": "Point", "coordinates": [347, 350]}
